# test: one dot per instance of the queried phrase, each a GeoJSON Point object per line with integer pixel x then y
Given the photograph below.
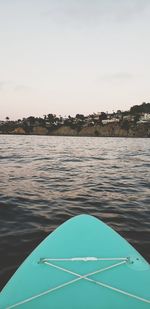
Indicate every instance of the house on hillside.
{"type": "Point", "coordinates": [129, 117]}
{"type": "Point", "coordinates": [145, 117]}
{"type": "Point", "coordinates": [112, 120]}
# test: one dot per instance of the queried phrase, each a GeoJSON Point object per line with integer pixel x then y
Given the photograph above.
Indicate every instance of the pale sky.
{"type": "Point", "coordinates": [73, 56]}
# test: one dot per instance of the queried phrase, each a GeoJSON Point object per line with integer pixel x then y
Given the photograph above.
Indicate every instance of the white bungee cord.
{"type": "Point", "coordinates": [48, 261]}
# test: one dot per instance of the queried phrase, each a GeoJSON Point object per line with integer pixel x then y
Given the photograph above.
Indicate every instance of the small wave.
{"type": "Point", "coordinates": [44, 184]}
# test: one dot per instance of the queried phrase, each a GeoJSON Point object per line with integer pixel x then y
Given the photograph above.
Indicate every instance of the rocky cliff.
{"type": "Point", "coordinates": [108, 130]}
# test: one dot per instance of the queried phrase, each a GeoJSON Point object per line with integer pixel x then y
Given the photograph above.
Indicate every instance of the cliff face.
{"type": "Point", "coordinates": [39, 130]}
{"type": "Point", "coordinates": [108, 130]}
{"type": "Point", "coordinates": [64, 131]}
{"type": "Point", "coordinates": [36, 130]}
{"type": "Point", "coordinates": [18, 131]}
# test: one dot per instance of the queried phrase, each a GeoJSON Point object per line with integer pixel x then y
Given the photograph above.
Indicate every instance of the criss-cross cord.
{"type": "Point", "coordinates": [87, 275]}
{"type": "Point", "coordinates": [79, 277]}
{"type": "Point", "coordinates": [101, 283]}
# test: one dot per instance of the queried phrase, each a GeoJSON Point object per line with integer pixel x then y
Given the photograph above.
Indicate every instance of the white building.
{"type": "Point", "coordinates": [129, 117]}
{"type": "Point", "coordinates": [145, 117]}
{"type": "Point", "coordinates": [105, 121]}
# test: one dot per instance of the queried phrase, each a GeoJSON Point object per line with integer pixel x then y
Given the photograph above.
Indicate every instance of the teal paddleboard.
{"type": "Point", "coordinates": [82, 264]}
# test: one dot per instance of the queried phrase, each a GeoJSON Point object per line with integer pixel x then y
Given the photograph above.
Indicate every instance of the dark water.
{"type": "Point", "coordinates": [46, 180]}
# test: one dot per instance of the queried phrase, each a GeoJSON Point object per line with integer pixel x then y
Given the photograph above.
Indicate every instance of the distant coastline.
{"type": "Point", "coordinates": [132, 123]}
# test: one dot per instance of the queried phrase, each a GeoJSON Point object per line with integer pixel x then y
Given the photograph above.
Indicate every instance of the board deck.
{"type": "Point", "coordinates": [83, 264]}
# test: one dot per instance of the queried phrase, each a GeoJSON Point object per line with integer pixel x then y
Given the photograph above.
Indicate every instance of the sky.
{"type": "Point", "coordinates": [73, 56]}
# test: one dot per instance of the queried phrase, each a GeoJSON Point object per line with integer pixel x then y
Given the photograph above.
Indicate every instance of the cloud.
{"type": "Point", "coordinates": [118, 76]}
{"type": "Point", "coordinates": [10, 85]}
{"type": "Point", "coordinates": [131, 9]}
{"type": "Point", "coordinates": [22, 88]}
{"type": "Point", "coordinates": [1, 85]}
{"type": "Point", "coordinates": [94, 11]}
{"type": "Point", "coordinates": [4, 84]}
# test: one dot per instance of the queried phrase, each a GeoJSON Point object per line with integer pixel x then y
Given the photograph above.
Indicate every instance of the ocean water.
{"type": "Point", "coordinates": [45, 180]}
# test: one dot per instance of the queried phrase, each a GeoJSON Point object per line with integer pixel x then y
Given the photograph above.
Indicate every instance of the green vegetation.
{"type": "Point", "coordinates": [138, 109]}
{"type": "Point", "coordinates": [135, 122]}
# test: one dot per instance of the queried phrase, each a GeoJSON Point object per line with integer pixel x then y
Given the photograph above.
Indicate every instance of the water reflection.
{"type": "Point", "coordinates": [46, 180]}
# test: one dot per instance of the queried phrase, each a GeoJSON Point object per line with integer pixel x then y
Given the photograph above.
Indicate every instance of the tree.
{"type": "Point", "coordinates": [51, 118]}
{"type": "Point", "coordinates": [70, 119]}
{"type": "Point", "coordinates": [143, 108]}
{"type": "Point", "coordinates": [80, 116]}
{"type": "Point", "coordinates": [102, 116]}
{"type": "Point", "coordinates": [31, 120]}
{"type": "Point", "coordinates": [7, 118]}
{"type": "Point", "coordinates": [40, 121]}
{"type": "Point", "coordinates": [135, 109]}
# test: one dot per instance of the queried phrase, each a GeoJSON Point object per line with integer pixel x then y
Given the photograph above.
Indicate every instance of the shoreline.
{"type": "Point", "coordinates": [142, 131]}
{"type": "Point", "coordinates": [135, 137]}
{"type": "Point", "coordinates": [132, 123]}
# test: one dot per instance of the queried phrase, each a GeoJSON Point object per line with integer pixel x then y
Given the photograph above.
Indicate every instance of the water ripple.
{"type": "Point", "coordinates": [46, 180]}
